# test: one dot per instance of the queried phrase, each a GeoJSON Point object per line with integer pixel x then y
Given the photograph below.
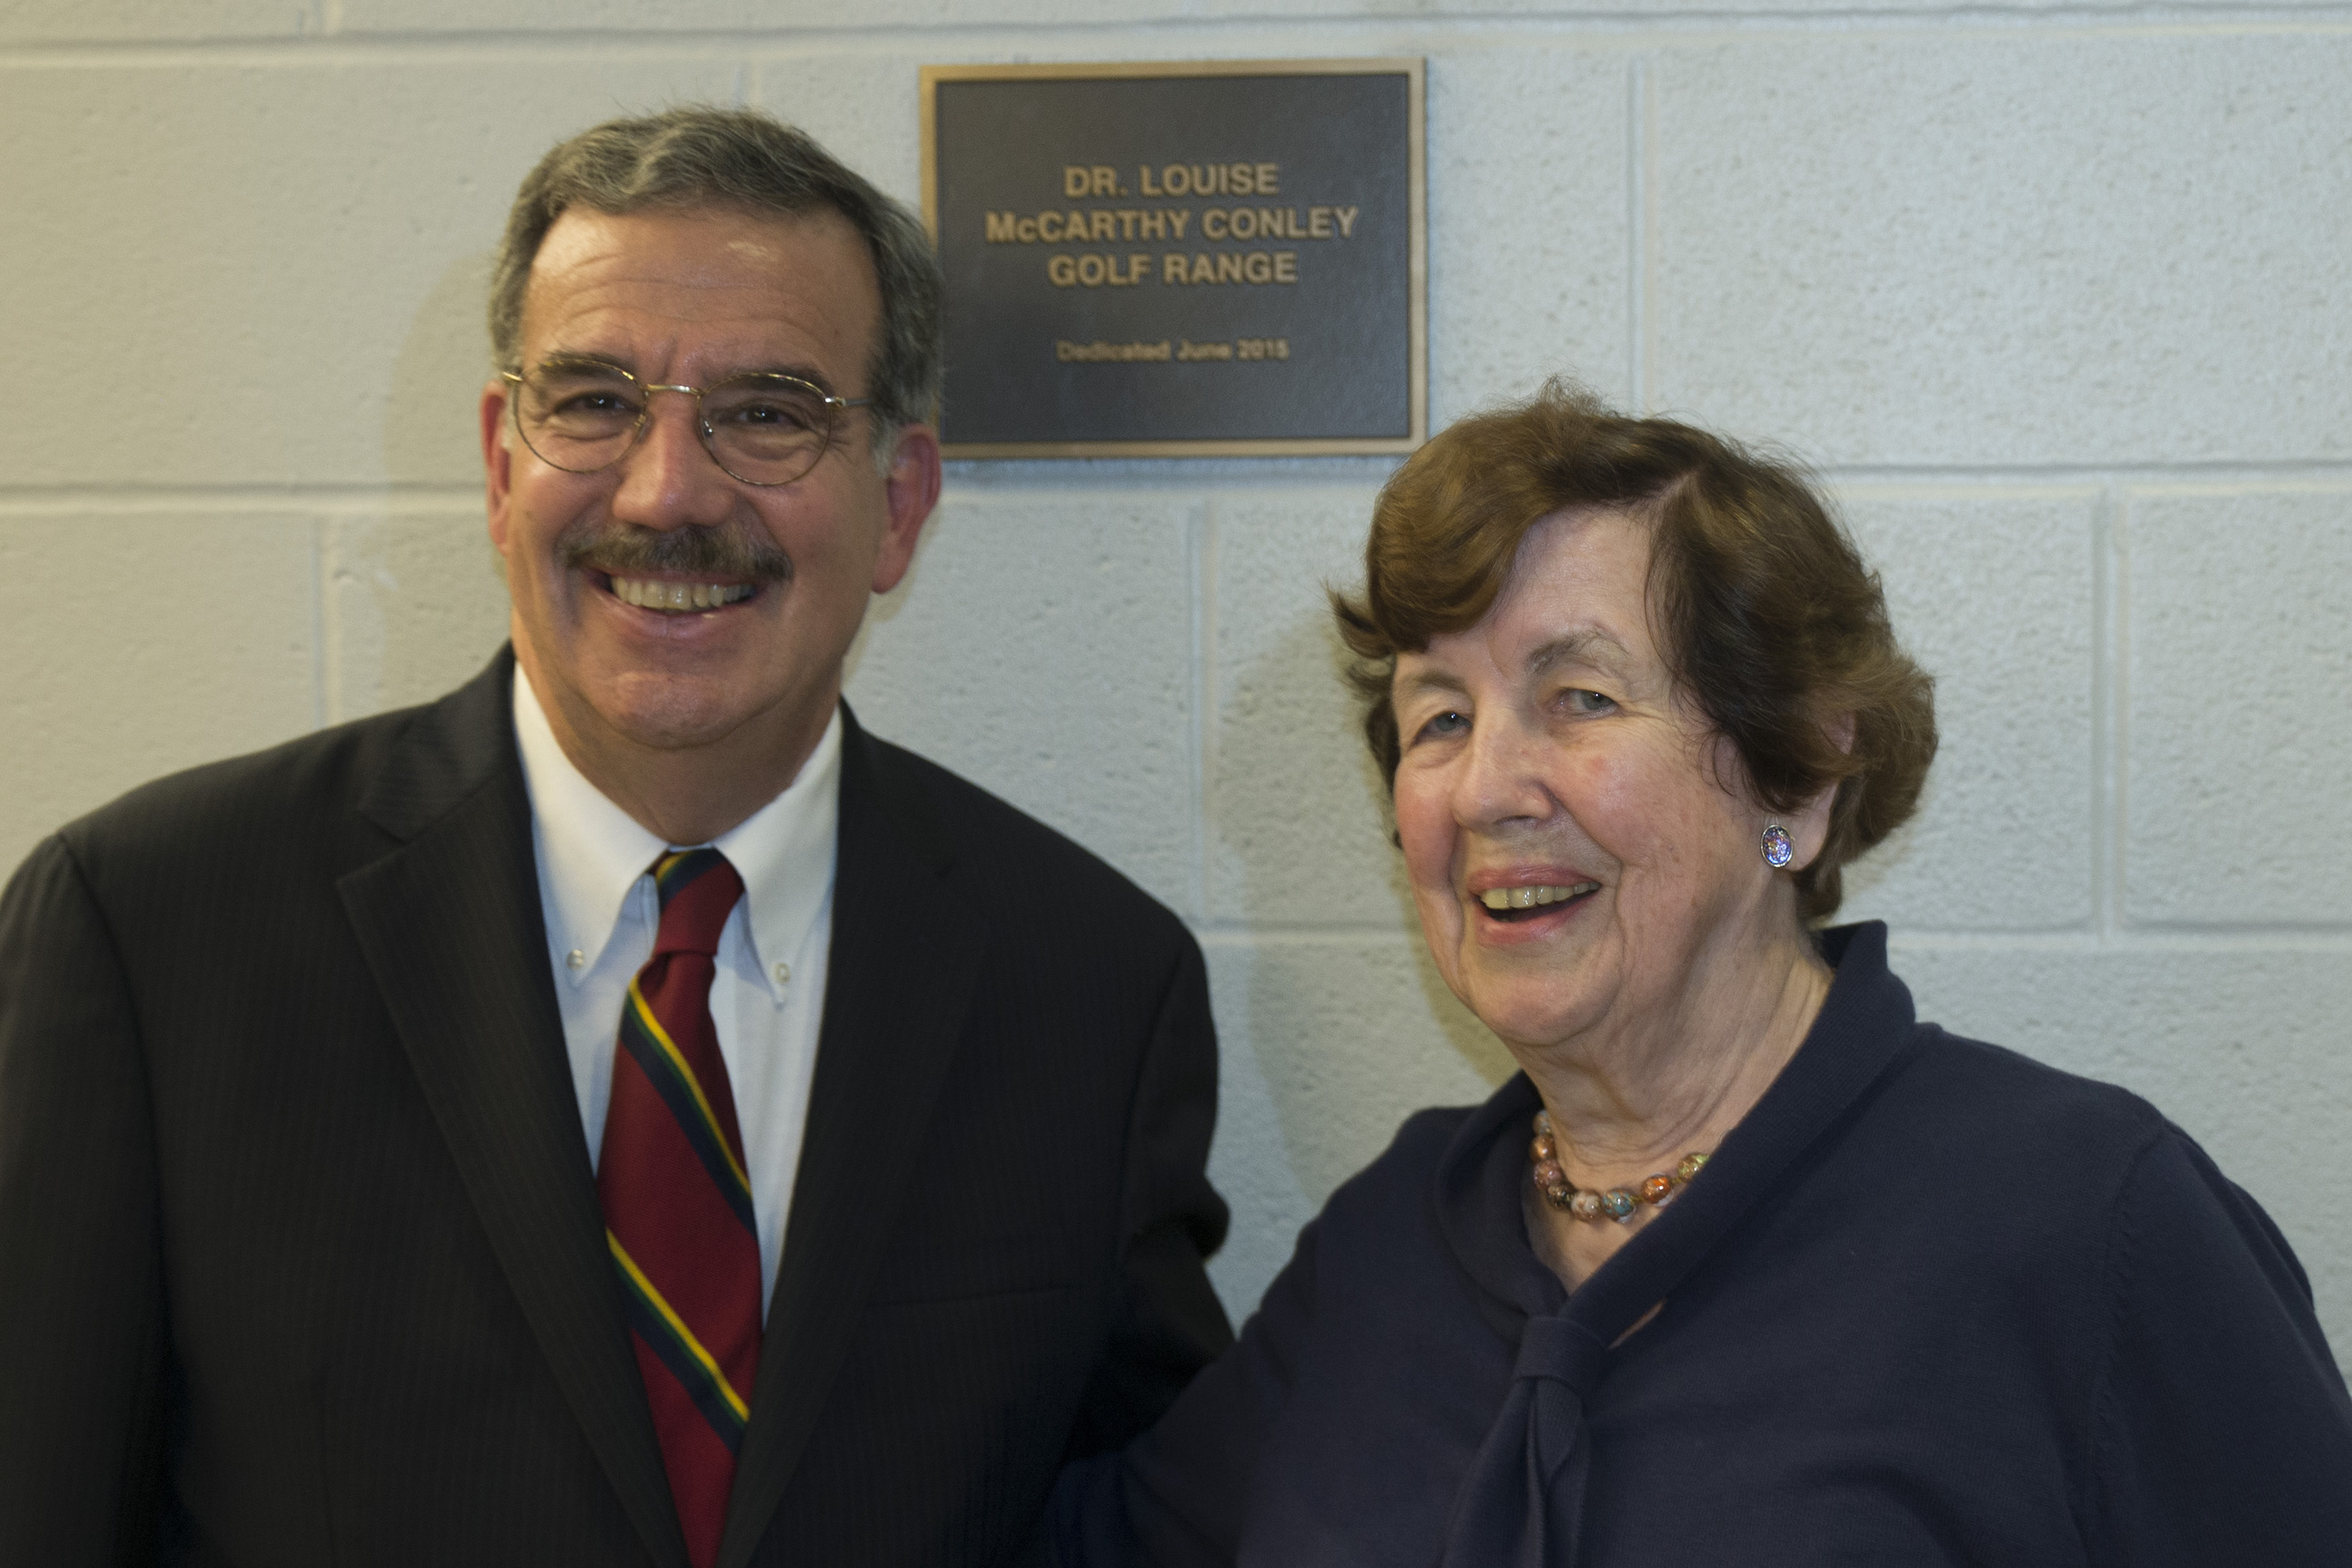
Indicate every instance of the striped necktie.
{"type": "Point", "coordinates": [678, 1203]}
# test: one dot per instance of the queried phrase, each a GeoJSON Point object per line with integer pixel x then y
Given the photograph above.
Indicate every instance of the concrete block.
{"type": "Point", "coordinates": [1091, 13]}
{"type": "Point", "coordinates": [1297, 816]}
{"type": "Point", "coordinates": [2011, 247]}
{"type": "Point", "coordinates": [866, 108]}
{"type": "Point", "coordinates": [293, 258]}
{"type": "Point", "coordinates": [1384, 9]}
{"type": "Point", "coordinates": [1994, 597]}
{"type": "Point", "coordinates": [2239, 708]}
{"type": "Point", "coordinates": [1327, 1043]}
{"type": "Point", "coordinates": [145, 21]}
{"type": "Point", "coordinates": [414, 606]}
{"type": "Point", "coordinates": [1042, 648]}
{"type": "Point", "coordinates": [2248, 1050]}
{"type": "Point", "coordinates": [192, 641]}
{"type": "Point", "coordinates": [632, 16]}
{"type": "Point", "coordinates": [1529, 261]}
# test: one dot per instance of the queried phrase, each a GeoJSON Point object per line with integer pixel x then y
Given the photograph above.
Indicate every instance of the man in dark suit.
{"type": "Point", "coordinates": [621, 1112]}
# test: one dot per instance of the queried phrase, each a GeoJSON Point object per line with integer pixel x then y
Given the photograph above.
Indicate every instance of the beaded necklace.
{"type": "Point", "coordinates": [1619, 1202]}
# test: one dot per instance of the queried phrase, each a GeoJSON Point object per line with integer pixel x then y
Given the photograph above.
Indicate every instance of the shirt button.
{"type": "Point", "coordinates": [574, 959]}
{"type": "Point", "coordinates": [783, 973]}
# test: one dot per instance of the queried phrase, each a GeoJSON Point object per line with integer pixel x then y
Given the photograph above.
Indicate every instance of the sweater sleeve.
{"type": "Point", "coordinates": [1170, 1323]}
{"type": "Point", "coordinates": [1177, 1496]}
{"type": "Point", "coordinates": [2222, 1430]}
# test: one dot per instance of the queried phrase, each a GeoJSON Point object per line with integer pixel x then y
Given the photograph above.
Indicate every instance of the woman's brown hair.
{"type": "Point", "coordinates": [1762, 608]}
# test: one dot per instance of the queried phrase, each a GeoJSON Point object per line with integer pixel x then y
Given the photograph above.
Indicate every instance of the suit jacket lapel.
{"type": "Point", "coordinates": [892, 1017]}
{"type": "Point", "coordinates": [452, 927]}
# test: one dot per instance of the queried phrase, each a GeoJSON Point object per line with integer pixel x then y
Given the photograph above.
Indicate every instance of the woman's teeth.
{"type": "Point", "coordinates": [1531, 897]}
{"type": "Point", "coordinates": [648, 594]}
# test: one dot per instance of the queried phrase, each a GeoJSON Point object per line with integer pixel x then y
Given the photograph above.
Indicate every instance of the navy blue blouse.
{"type": "Point", "coordinates": [1929, 1302]}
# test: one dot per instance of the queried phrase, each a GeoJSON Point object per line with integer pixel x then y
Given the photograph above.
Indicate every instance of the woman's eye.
{"type": "Point", "coordinates": [1448, 723]}
{"type": "Point", "coordinates": [1579, 700]}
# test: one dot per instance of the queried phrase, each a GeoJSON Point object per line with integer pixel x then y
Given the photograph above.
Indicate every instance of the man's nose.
{"type": "Point", "coordinates": [668, 479]}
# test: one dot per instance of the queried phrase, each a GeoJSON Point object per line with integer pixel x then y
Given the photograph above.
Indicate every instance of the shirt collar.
{"type": "Point", "coordinates": [784, 852]}
{"type": "Point", "coordinates": [592, 854]}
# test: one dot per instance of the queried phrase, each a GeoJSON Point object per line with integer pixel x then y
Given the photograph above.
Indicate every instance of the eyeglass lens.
{"type": "Point", "coordinates": [764, 429]}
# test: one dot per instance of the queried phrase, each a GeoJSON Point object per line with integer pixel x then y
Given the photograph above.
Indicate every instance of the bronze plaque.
{"type": "Point", "coordinates": [1193, 260]}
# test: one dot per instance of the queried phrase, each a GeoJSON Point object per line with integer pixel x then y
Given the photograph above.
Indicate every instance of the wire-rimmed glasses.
{"type": "Point", "coordinates": [582, 415]}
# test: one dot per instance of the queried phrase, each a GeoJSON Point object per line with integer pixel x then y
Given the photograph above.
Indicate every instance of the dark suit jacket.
{"type": "Point", "coordinates": [300, 1258]}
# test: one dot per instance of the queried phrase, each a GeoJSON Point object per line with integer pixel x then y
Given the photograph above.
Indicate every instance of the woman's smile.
{"type": "Point", "coordinates": [1518, 911]}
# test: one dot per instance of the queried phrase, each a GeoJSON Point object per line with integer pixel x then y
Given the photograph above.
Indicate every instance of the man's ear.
{"type": "Point", "coordinates": [910, 490]}
{"type": "Point", "coordinates": [498, 457]}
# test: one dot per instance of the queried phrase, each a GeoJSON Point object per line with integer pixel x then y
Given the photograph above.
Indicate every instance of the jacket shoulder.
{"type": "Point", "coordinates": [1031, 871]}
{"type": "Point", "coordinates": [360, 784]}
{"type": "Point", "coordinates": [270, 793]}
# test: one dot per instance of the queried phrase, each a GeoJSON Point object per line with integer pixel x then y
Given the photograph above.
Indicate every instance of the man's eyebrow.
{"type": "Point", "coordinates": [1576, 647]}
{"type": "Point", "coordinates": [582, 357]}
{"type": "Point", "coordinates": [799, 372]}
{"type": "Point", "coordinates": [808, 373]}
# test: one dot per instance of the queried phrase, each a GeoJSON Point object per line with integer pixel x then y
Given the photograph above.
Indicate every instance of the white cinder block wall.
{"type": "Point", "coordinates": [2055, 297]}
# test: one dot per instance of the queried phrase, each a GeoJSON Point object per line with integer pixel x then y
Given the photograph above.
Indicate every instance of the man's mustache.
{"type": "Point", "coordinates": [729, 550]}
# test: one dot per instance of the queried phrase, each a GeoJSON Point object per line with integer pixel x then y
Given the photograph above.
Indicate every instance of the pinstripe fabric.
{"type": "Point", "coordinates": [296, 1013]}
{"type": "Point", "coordinates": [677, 1204]}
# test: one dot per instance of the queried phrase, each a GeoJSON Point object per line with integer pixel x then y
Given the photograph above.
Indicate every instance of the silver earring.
{"type": "Point", "coordinates": [1778, 850]}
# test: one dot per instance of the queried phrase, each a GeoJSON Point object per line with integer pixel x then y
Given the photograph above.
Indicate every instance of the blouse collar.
{"type": "Point", "coordinates": [1865, 1027]}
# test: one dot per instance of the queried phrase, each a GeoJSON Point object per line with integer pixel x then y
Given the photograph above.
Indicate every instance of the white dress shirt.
{"type": "Point", "coordinates": [597, 888]}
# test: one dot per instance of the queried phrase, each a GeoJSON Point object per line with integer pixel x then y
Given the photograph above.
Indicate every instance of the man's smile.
{"type": "Point", "coordinates": [677, 598]}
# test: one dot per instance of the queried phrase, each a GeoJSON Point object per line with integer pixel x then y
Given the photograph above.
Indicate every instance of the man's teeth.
{"type": "Point", "coordinates": [1529, 897]}
{"type": "Point", "coordinates": [648, 594]}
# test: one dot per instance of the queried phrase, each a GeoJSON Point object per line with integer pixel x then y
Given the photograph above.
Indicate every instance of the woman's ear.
{"type": "Point", "coordinates": [1809, 829]}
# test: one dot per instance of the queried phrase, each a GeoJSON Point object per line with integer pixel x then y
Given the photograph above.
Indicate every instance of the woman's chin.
{"type": "Point", "coordinates": [1530, 1013]}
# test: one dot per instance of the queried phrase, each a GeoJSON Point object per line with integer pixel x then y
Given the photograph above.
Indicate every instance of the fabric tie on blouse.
{"type": "Point", "coordinates": [1523, 1501]}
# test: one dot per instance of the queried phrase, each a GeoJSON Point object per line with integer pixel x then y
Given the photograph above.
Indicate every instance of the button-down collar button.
{"type": "Point", "coordinates": [783, 973]}
{"type": "Point", "coordinates": [575, 959]}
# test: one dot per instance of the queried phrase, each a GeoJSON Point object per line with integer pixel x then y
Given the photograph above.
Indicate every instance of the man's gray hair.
{"type": "Point", "coordinates": [696, 156]}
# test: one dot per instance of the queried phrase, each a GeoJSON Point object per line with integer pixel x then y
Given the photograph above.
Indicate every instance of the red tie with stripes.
{"type": "Point", "coordinates": [677, 1204]}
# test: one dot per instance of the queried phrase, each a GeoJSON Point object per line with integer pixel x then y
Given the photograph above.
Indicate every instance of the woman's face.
{"type": "Point", "coordinates": [1549, 762]}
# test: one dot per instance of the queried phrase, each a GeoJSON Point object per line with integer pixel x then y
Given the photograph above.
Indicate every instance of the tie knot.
{"type": "Point", "coordinates": [697, 888]}
{"type": "Point", "coordinates": [1554, 1350]}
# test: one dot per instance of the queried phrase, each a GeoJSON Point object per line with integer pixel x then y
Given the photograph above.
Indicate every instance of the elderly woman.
{"type": "Point", "coordinates": [1746, 1264]}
